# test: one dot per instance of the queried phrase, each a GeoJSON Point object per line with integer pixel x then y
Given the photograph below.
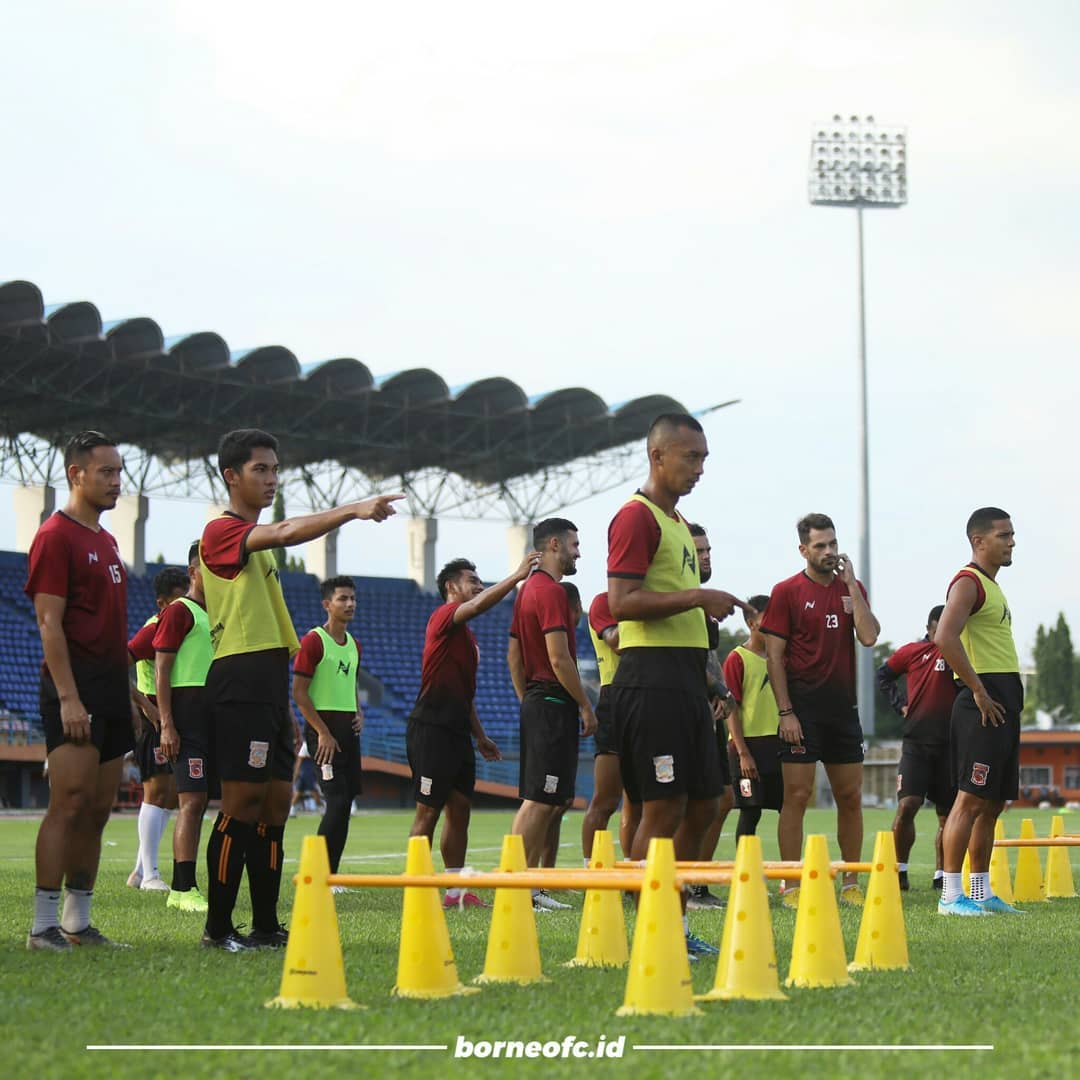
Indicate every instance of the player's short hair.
{"type": "Point", "coordinates": [812, 521]}
{"type": "Point", "coordinates": [332, 584]}
{"type": "Point", "coordinates": [80, 447]}
{"type": "Point", "coordinates": [982, 520]}
{"type": "Point", "coordinates": [193, 553]}
{"type": "Point", "coordinates": [696, 530]}
{"type": "Point", "coordinates": [759, 603]}
{"type": "Point", "coordinates": [234, 450]}
{"type": "Point", "coordinates": [550, 527]}
{"type": "Point", "coordinates": [167, 581]}
{"type": "Point", "coordinates": [450, 572]}
{"type": "Point", "coordinates": [935, 613]}
{"type": "Point", "coordinates": [672, 421]}
{"type": "Point", "coordinates": [573, 594]}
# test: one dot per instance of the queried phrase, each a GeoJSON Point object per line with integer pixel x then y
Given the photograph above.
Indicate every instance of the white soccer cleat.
{"type": "Point", "coordinates": [154, 884]}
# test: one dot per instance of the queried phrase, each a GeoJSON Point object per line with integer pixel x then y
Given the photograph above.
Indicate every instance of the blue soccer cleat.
{"type": "Point", "coordinates": [962, 905]}
{"type": "Point", "coordinates": [994, 905]}
{"type": "Point", "coordinates": [695, 947]}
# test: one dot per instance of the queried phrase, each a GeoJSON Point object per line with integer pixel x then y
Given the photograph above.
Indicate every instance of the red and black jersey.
{"type": "Point", "coordinates": [600, 617]}
{"type": "Point", "coordinates": [817, 623]}
{"type": "Point", "coordinates": [931, 689]}
{"type": "Point", "coordinates": [541, 608]}
{"type": "Point", "coordinates": [141, 646]}
{"type": "Point", "coordinates": [83, 566]}
{"type": "Point", "coordinates": [633, 539]}
{"type": "Point", "coordinates": [173, 626]}
{"type": "Point", "coordinates": [311, 653]}
{"type": "Point", "coordinates": [447, 671]}
{"type": "Point", "coordinates": [224, 544]}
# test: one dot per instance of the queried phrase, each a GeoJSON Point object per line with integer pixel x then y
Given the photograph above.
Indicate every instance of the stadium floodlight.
{"type": "Point", "coordinates": [861, 165]}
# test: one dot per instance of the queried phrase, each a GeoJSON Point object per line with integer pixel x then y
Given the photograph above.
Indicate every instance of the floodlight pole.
{"type": "Point", "coordinates": [864, 658]}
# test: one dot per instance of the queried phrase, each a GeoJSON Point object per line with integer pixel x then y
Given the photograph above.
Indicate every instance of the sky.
{"type": "Point", "coordinates": [610, 195]}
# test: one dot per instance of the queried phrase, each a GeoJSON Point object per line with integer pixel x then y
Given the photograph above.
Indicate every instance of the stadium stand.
{"type": "Point", "coordinates": [390, 620]}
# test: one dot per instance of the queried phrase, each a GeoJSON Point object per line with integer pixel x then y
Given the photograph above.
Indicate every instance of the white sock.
{"type": "Point", "coordinates": [586, 862]}
{"type": "Point", "coordinates": [152, 822]}
{"type": "Point", "coordinates": [46, 903]}
{"type": "Point", "coordinates": [980, 887]}
{"type": "Point", "coordinates": [938, 874]}
{"type": "Point", "coordinates": [953, 887]}
{"type": "Point", "coordinates": [902, 867]}
{"type": "Point", "coordinates": [453, 893]}
{"type": "Point", "coordinates": [76, 916]}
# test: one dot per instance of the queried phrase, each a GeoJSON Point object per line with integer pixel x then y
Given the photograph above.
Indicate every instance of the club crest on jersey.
{"type": "Point", "coordinates": [664, 766]}
{"type": "Point", "coordinates": [746, 787]}
{"type": "Point", "coordinates": [195, 768]}
{"type": "Point", "coordinates": [551, 784]}
{"type": "Point", "coordinates": [979, 774]}
{"type": "Point", "coordinates": [159, 756]}
{"type": "Point", "coordinates": [257, 753]}
{"type": "Point", "coordinates": [848, 604]}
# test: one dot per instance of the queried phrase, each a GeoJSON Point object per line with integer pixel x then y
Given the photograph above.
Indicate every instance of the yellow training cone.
{"type": "Point", "coordinates": [817, 953]}
{"type": "Point", "coordinates": [1028, 886]}
{"type": "Point", "coordinates": [314, 972]}
{"type": "Point", "coordinates": [965, 870]}
{"type": "Point", "coordinates": [426, 967]}
{"type": "Point", "coordinates": [658, 982]}
{"type": "Point", "coordinates": [513, 951]}
{"type": "Point", "coordinates": [1000, 878]}
{"type": "Point", "coordinates": [747, 966]}
{"type": "Point", "coordinates": [1059, 879]}
{"type": "Point", "coordinates": [602, 938]}
{"type": "Point", "coordinates": [882, 943]}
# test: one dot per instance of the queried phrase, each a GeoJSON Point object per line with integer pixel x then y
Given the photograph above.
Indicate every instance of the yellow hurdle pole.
{"type": "Point", "coordinates": [838, 867]}
{"type": "Point", "coordinates": [1056, 841]}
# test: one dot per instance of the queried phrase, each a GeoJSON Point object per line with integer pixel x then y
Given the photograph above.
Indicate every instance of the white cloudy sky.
{"type": "Point", "coordinates": [610, 195]}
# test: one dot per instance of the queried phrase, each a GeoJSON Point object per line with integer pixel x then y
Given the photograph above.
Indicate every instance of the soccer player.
{"type": "Point", "coordinates": [925, 768]}
{"type": "Point", "coordinates": [659, 700]}
{"type": "Point", "coordinates": [324, 689]}
{"type": "Point", "coordinates": [183, 652]}
{"type": "Point", "coordinates": [247, 687]}
{"type": "Point", "coordinates": [975, 638]}
{"type": "Point", "coordinates": [155, 772]}
{"type": "Point", "coordinates": [78, 585]}
{"type": "Point", "coordinates": [754, 746]}
{"type": "Point", "coordinates": [811, 625]}
{"type": "Point", "coordinates": [443, 723]}
{"type": "Point", "coordinates": [542, 657]}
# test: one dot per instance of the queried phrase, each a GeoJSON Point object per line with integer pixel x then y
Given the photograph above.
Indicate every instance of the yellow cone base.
{"type": "Point", "coordinates": [314, 973]}
{"type": "Point", "coordinates": [1059, 880]}
{"type": "Point", "coordinates": [602, 938]}
{"type": "Point", "coordinates": [747, 969]}
{"type": "Point", "coordinates": [817, 953]}
{"type": "Point", "coordinates": [1000, 878]}
{"type": "Point", "coordinates": [882, 944]}
{"type": "Point", "coordinates": [1028, 883]}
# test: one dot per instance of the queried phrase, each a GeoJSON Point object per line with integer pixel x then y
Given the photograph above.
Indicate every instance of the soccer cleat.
{"type": "Point", "coordinates": [852, 895]}
{"type": "Point", "coordinates": [153, 884]}
{"type": "Point", "coordinates": [790, 897]}
{"type": "Point", "coordinates": [962, 905]}
{"type": "Point", "coordinates": [994, 905]}
{"type": "Point", "coordinates": [904, 885]}
{"type": "Point", "coordinates": [51, 940]}
{"type": "Point", "coordinates": [91, 935]}
{"type": "Point", "coordinates": [700, 899]}
{"type": "Point", "coordinates": [337, 890]}
{"type": "Point", "coordinates": [232, 942]}
{"type": "Point", "coordinates": [134, 879]}
{"type": "Point", "coordinates": [542, 901]}
{"type": "Point", "coordinates": [269, 939]}
{"type": "Point", "coordinates": [464, 900]}
{"type": "Point", "coordinates": [191, 900]}
{"type": "Point", "coordinates": [696, 947]}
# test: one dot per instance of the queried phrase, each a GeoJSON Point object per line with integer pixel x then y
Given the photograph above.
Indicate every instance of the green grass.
{"type": "Point", "coordinates": [1010, 982]}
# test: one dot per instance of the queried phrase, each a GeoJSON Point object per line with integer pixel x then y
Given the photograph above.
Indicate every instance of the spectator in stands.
{"type": "Point", "coordinates": [306, 794]}
{"type": "Point", "coordinates": [437, 733]}
{"type": "Point", "coordinates": [78, 585]}
{"type": "Point", "coordinates": [324, 689]}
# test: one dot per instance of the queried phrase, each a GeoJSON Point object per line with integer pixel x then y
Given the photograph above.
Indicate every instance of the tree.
{"type": "Point", "coordinates": [1055, 689]}
{"type": "Point", "coordinates": [279, 515]}
{"type": "Point", "coordinates": [888, 724]}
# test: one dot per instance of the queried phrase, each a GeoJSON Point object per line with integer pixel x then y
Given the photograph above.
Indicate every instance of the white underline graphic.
{"type": "Point", "coordinates": [813, 1046]}
{"type": "Point", "coordinates": [274, 1046]}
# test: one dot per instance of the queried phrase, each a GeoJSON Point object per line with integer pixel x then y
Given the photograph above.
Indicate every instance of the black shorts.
{"type": "Point", "coordinates": [667, 743]}
{"type": "Point", "coordinates": [926, 772]}
{"type": "Point", "coordinates": [148, 756]}
{"type": "Point", "coordinates": [832, 735]}
{"type": "Point", "coordinates": [106, 696]}
{"type": "Point", "coordinates": [442, 760]}
{"type": "Point", "coordinates": [195, 767]}
{"type": "Point", "coordinates": [605, 725]}
{"type": "Point", "coordinates": [346, 763]}
{"type": "Point", "coordinates": [986, 760]}
{"type": "Point", "coordinates": [767, 792]}
{"type": "Point", "coordinates": [253, 740]}
{"type": "Point", "coordinates": [547, 771]}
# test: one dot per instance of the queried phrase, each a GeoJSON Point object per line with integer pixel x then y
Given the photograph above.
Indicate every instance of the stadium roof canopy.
{"type": "Point", "coordinates": [62, 370]}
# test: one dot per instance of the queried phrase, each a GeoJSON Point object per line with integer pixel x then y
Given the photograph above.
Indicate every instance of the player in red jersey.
{"type": "Point", "coordinates": [925, 770]}
{"type": "Point", "coordinates": [811, 625]}
{"type": "Point", "coordinates": [542, 656]}
{"type": "Point", "coordinates": [78, 584]}
{"type": "Point", "coordinates": [441, 728]}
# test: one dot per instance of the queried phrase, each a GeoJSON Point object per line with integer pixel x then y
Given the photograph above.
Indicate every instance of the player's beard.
{"type": "Point", "coordinates": [706, 574]}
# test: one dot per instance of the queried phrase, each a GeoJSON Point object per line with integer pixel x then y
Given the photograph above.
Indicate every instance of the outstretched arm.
{"type": "Point", "coordinates": [493, 594]}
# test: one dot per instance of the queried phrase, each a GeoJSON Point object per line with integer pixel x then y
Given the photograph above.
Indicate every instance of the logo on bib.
{"type": "Point", "coordinates": [425, 785]}
{"type": "Point", "coordinates": [746, 787]}
{"type": "Point", "coordinates": [257, 752]}
{"type": "Point", "coordinates": [979, 773]}
{"type": "Point", "coordinates": [551, 784]}
{"type": "Point", "coordinates": [195, 768]}
{"type": "Point", "coordinates": [159, 756]}
{"type": "Point", "coordinates": [665, 768]}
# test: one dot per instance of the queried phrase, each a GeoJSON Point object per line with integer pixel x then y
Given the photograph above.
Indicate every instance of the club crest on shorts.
{"type": "Point", "coordinates": [195, 768]}
{"type": "Point", "coordinates": [159, 756]}
{"type": "Point", "coordinates": [551, 784]}
{"type": "Point", "coordinates": [664, 765]}
{"type": "Point", "coordinates": [797, 749]}
{"type": "Point", "coordinates": [257, 753]}
{"type": "Point", "coordinates": [746, 787]}
{"type": "Point", "coordinates": [425, 785]}
{"type": "Point", "coordinates": [979, 773]}
{"type": "Point", "coordinates": [899, 782]}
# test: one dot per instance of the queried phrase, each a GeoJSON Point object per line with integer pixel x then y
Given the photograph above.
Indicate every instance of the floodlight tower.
{"type": "Point", "coordinates": [858, 163]}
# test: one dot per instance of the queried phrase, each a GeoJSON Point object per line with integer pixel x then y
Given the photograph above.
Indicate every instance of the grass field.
{"type": "Point", "coordinates": [1011, 982]}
